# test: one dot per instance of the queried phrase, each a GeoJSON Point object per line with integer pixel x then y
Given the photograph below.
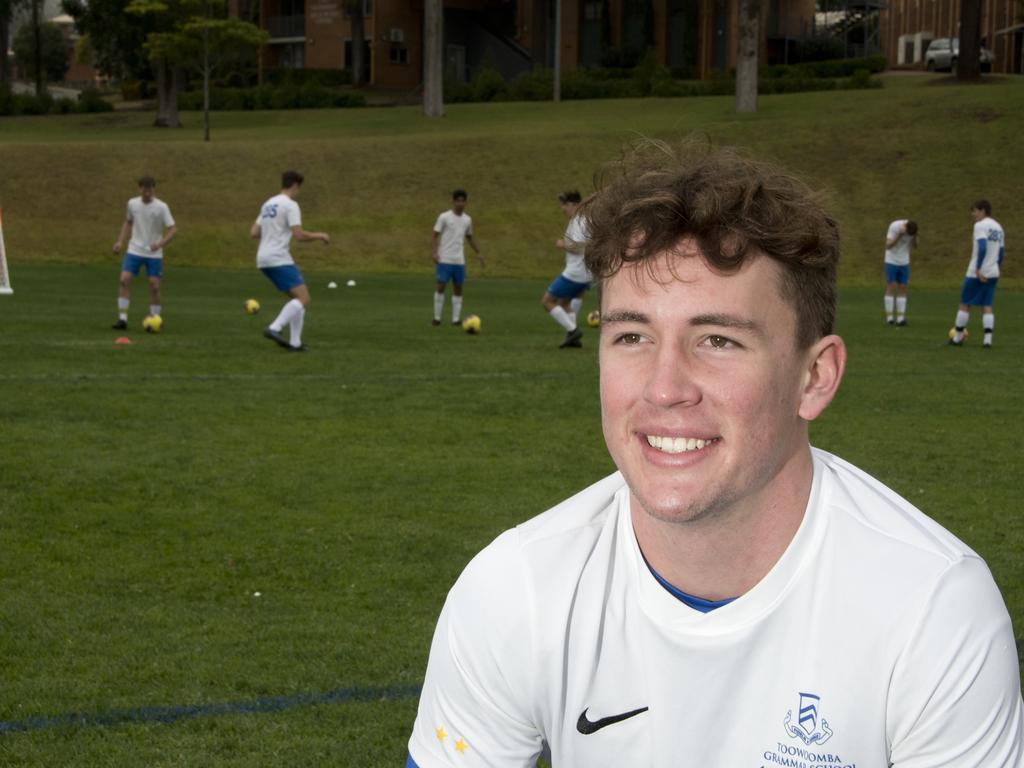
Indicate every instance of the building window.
{"type": "Point", "coordinates": [399, 54]}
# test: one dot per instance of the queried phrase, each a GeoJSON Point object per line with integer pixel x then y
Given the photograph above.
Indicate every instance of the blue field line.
{"type": "Point", "coordinates": [174, 714]}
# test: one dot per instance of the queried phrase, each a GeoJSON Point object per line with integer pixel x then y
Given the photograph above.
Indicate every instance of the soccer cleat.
{"type": "Point", "coordinates": [890, 321]}
{"type": "Point", "coordinates": [120, 325]}
{"type": "Point", "coordinates": [273, 335]}
{"type": "Point", "coordinates": [901, 323]}
{"type": "Point", "coordinates": [572, 339]}
{"type": "Point", "coordinates": [954, 343]}
{"type": "Point", "coordinates": [457, 322]}
{"type": "Point", "coordinates": [435, 322]}
{"type": "Point", "coordinates": [300, 348]}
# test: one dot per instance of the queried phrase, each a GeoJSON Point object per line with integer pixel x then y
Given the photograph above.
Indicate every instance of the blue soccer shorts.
{"type": "Point", "coordinates": [454, 272]}
{"type": "Point", "coordinates": [284, 277]}
{"type": "Point", "coordinates": [133, 263]}
{"type": "Point", "coordinates": [978, 294]}
{"type": "Point", "coordinates": [897, 273]}
{"type": "Point", "coordinates": [564, 288]}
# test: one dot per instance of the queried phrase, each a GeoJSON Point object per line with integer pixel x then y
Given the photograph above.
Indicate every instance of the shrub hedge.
{"type": "Point", "coordinates": [310, 95]}
{"type": "Point", "coordinates": [651, 79]}
{"type": "Point", "coordinates": [89, 100]}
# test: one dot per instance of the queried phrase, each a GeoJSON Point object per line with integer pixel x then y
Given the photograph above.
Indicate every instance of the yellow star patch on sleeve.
{"type": "Point", "coordinates": [460, 746]}
{"type": "Point", "coordinates": [441, 735]}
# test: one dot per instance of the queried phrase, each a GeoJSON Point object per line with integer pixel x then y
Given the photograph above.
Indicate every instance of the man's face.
{"type": "Point", "coordinates": [569, 209]}
{"type": "Point", "coordinates": [458, 205]}
{"type": "Point", "coordinates": [701, 386]}
{"type": "Point", "coordinates": [977, 214]}
{"type": "Point", "coordinates": [146, 192]}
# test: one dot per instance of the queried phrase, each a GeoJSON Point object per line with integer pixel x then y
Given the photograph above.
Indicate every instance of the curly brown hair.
{"type": "Point", "coordinates": [733, 207]}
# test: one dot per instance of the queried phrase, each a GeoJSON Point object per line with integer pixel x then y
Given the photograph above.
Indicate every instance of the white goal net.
{"type": "Point", "coordinates": [5, 275]}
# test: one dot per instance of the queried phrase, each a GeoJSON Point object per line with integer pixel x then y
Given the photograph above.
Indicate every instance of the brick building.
{"type": "Point", "coordinates": [694, 37]}
{"type": "Point", "coordinates": [909, 25]}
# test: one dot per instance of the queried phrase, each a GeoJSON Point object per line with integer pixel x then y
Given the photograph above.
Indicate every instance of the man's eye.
{"type": "Point", "coordinates": [718, 342]}
{"type": "Point", "coordinates": [629, 338]}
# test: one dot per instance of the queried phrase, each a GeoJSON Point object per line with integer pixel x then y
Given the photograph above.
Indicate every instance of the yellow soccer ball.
{"type": "Point", "coordinates": [152, 324]}
{"type": "Point", "coordinates": [952, 332]}
{"type": "Point", "coordinates": [471, 324]}
{"type": "Point", "coordinates": [252, 306]}
{"type": "Point", "coordinates": [594, 319]}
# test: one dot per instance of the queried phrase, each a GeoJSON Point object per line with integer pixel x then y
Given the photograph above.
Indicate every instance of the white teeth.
{"type": "Point", "coordinates": [676, 444]}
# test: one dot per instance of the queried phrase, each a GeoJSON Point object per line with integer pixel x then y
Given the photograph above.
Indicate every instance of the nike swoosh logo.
{"type": "Point", "coordinates": [585, 726]}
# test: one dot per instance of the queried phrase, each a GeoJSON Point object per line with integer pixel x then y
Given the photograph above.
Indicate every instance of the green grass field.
{"type": "Point", "coordinates": [377, 178]}
{"type": "Point", "coordinates": [151, 490]}
{"type": "Point", "coordinates": [217, 553]}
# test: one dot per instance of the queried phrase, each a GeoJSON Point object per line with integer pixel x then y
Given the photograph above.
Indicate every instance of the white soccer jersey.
{"type": "Point", "coordinates": [148, 220]}
{"type": "Point", "coordinates": [453, 230]}
{"type": "Point", "coordinates": [877, 640]}
{"type": "Point", "coordinates": [277, 217]}
{"type": "Point", "coordinates": [989, 230]}
{"type": "Point", "coordinates": [575, 269]}
{"type": "Point", "coordinates": [899, 254]}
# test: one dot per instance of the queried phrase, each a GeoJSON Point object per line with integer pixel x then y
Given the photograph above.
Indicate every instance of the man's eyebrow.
{"type": "Point", "coordinates": [623, 316]}
{"type": "Point", "coordinates": [728, 321]}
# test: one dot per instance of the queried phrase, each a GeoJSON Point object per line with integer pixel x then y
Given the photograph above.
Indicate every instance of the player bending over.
{"type": "Point", "coordinates": [901, 236]}
{"type": "Point", "coordinates": [151, 227]}
{"type": "Point", "coordinates": [279, 221]}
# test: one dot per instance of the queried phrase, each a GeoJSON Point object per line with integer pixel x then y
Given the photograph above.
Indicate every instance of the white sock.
{"type": "Point", "coordinates": [961, 324]}
{"type": "Point", "coordinates": [988, 322]}
{"type": "Point", "coordinates": [154, 309]}
{"type": "Point", "coordinates": [561, 317]}
{"type": "Point", "coordinates": [901, 307]}
{"type": "Point", "coordinates": [287, 313]}
{"type": "Point", "coordinates": [456, 308]}
{"type": "Point", "coordinates": [889, 301]}
{"type": "Point", "coordinates": [576, 305]}
{"type": "Point", "coordinates": [296, 325]}
{"type": "Point", "coordinates": [438, 305]}
{"type": "Point", "coordinates": [122, 309]}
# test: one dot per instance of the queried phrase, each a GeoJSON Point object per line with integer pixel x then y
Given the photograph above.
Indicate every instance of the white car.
{"type": "Point", "coordinates": [942, 54]}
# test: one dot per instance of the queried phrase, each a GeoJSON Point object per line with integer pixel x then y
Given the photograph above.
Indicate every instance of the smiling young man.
{"type": "Point", "coordinates": [731, 597]}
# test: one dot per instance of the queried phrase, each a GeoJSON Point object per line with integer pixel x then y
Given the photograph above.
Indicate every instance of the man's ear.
{"type": "Point", "coordinates": [825, 362]}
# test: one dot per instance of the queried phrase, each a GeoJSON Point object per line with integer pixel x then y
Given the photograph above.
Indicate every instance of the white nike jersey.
{"type": "Point", "coordinates": [878, 639]}
{"type": "Point", "coordinates": [149, 221]}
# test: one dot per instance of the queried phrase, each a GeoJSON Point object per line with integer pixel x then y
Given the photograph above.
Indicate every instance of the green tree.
{"type": "Point", "coordinates": [7, 9]}
{"type": "Point", "coordinates": [53, 50]}
{"type": "Point", "coordinates": [194, 35]}
{"type": "Point", "coordinates": [117, 38]}
{"type": "Point", "coordinates": [221, 41]}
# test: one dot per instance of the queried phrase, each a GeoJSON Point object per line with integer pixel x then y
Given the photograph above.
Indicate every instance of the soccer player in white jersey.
{"type": "Point", "coordinates": [564, 297]}
{"type": "Point", "coordinates": [149, 226]}
{"type": "Point", "coordinates": [731, 597]}
{"type": "Point", "coordinates": [979, 289]}
{"type": "Point", "coordinates": [452, 228]}
{"type": "Point", "coordinates": [901, 236]}
{"type": "Point", "coordinates": [278, 222]}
